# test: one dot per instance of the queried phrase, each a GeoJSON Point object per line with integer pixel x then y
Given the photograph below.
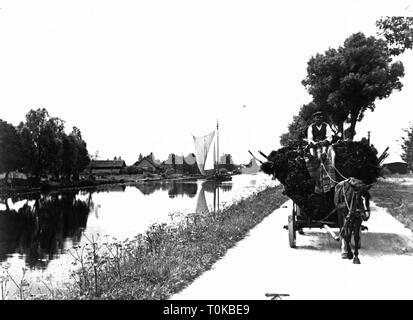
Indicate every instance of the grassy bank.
{"type": "Point", "coordinates": [167, 258]}
{"type": "Point", "coordinates": [396, 194]}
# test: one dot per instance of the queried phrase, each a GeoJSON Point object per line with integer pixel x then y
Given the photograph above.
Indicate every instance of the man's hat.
{"type": "Point", "coordinates": [318, 113]}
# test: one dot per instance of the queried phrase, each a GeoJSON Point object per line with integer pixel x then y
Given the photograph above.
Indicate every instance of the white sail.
{"type": "Point", "coordinates": [202, 145]}
{"type": "Point", "coordinates": [215, 156]}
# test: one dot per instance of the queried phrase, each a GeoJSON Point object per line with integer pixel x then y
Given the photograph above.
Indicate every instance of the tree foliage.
{"type": "Point", "coordinates": [42, 139]}
{"type": "Point", "coordinates": [398, 32]}
{"type": "Point", "coordinates": [10, 148]}
{"type": "Point", "coordinates": [75, 155]}
{"type": "Point", "coordinates": [297, 129]}
{"type": "Point", "coordinates": [345, 82]}
{"type": "Point", "coordinates": [40, 146]}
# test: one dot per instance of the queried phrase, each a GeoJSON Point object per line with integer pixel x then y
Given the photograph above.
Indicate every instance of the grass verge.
{"type": "Point", "coordinates": [396, 197]}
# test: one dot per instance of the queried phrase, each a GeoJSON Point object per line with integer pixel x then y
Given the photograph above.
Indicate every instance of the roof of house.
{"type": "Point", "coordinates": [107, 164]}
{"type": "Point", "coordinates": [393, 157]}
{"type": "Point", "coordinates": [147, 158]}
{"type": "Point", "coordinates": [395, 163]}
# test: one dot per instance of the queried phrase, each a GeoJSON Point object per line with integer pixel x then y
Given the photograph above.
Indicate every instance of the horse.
{"type": "Point", "coordinates": [352, 202]}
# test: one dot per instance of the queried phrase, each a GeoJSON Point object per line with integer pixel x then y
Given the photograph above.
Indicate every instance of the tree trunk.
{"type": "Point", "coordinates": [7, 205]}
{"type": "Point", "coordinates": [352, 129]}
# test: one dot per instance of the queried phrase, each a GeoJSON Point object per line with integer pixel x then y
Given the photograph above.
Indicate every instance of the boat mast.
{"type": "Point", "coordinates": [217, 167]}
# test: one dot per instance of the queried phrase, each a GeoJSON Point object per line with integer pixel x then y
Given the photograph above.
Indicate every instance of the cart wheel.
{"type": "Point", "coordinates": [298, 214]}
{"type": "Point", "coordinates": [291, 227]}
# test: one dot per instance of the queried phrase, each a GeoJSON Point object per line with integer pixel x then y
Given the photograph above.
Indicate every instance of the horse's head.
{"type": "Point", "coordinates": [362, 197]}
{"type": "Point", "coordinates": [353, 194]}
{"type": "Point", "coordinates": [358, 185]}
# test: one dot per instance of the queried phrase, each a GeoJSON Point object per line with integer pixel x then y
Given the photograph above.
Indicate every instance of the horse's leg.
{"type": "Point", "coordinates": [346, 252]}
{"type": "Point", "coordinates": [357, 231]}
{"type": "Point", "coordinates": [343, 232]}
{"type": "Point", "coordinates": [343, 248]}
{"type": "Point", "coordinates": [349, 252]}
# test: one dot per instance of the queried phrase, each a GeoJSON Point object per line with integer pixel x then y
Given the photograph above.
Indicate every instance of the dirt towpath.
{"type": "Point", "coordinates": [264, 263]}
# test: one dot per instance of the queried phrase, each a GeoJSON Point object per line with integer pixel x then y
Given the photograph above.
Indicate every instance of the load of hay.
{"type": "Point", "coordinates": [353, 159]}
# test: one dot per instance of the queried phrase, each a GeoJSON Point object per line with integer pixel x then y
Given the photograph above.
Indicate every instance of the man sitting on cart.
{"type": "Point", "coordinates": [319, 136]}
{"type": "Point", "coordinates": [320, 163]}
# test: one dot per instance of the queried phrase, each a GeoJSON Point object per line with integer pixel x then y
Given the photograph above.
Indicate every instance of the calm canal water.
{"type": "Point", "coordinates": [36, 230]}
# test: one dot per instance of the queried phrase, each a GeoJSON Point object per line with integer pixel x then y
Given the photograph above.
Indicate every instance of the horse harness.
{"type": "Point", "coordinates": [354, 215]}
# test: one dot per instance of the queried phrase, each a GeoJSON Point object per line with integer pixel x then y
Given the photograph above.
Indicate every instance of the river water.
{"type": "Point", "coordinates": [37, 230]}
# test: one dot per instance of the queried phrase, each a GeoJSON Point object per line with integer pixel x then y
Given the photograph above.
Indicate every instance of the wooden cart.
{"type": "Point", "coordinates": [298, 220]}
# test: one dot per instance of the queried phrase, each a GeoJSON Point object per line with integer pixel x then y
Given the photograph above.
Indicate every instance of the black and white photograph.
{"type": "Point", "coordinates": [207, 155]}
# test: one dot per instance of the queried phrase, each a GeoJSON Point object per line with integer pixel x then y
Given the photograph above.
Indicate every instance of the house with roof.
{"type": "Point", "coordinates": [399, 167]}
{"type": "Point", "coordinates": [181, 164]}
{"type": "Point", "coordinates": [394, 164]}
{"type": "Point", "coordinates": [147, 164]}
{"type": "Point", "coordinates": [106, 166]}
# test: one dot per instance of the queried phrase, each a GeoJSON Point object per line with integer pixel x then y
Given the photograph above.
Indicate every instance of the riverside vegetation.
{"type": "Point", "coordinates": [160, 262]}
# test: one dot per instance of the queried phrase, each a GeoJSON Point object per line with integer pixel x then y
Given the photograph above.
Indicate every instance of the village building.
{"type": "Point", "coordinates": [106, 166]}
{"type": "Point", "coordinates": [181, 164]}
{"type": "Point", "coordinates": [226, 162]}
{"type": "Point", "coordinates": [147, 164]}
{"type": "Point", "coordinates": [395, 167]}
{"type": "Point", "coordinates": [173, 164]}
{"type": "Point", "coordinates": [395, 164]}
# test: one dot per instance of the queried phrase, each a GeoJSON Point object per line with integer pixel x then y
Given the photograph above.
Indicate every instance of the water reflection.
{"type": "Point", "coordinates": [148, 188]}
{"type": "Point", "coordinates": [211, 187]}
{"type": "Point", "coordinates": [189, 189]}
{"type": "Point", "coordinates": [173, 188]}
{"type": "Point", "coordinates": [38, 228]}
{"type": "Point", "coordinates": [201, 204]}
{"type": "Point", "coordinates": [105, 189]}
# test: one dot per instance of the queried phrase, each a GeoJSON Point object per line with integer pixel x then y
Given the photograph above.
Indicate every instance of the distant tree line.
{"type": "Point", "coordinates": [39, 146]}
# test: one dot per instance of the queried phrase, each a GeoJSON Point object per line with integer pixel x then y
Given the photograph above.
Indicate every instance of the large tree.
{"type": "Point", "coordinates": [80, 154]}
{"type": "Point", "coordinates": [74, 154]}
{"type": "Point", "coordinates": [10, 148]}
{"type": "Point", "coordinates": [41, 138]}
{"type": "Point", "coordinates": [52, 141]}
{"type": "Point", "coordinates": [48, 149]}
{"type": "Point", "coordinates": [347, 81]}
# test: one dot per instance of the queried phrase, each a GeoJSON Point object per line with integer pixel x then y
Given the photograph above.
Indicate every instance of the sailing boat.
{"type": "Point", "coordinates": [202, 145]}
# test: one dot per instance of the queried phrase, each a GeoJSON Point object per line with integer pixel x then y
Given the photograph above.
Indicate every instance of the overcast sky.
{"type": "Point", "coordinates": [142, 76]}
